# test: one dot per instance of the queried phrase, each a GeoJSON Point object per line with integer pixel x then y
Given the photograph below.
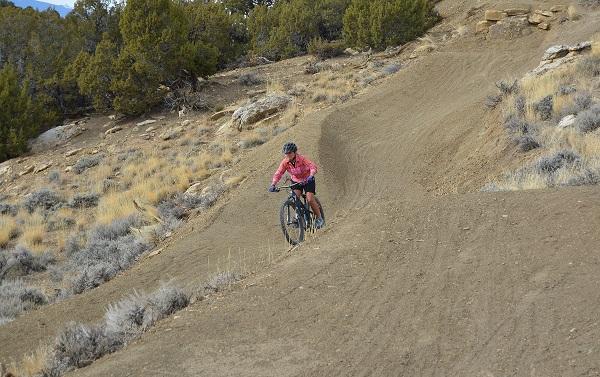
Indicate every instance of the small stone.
{"type": "Point", "coordinates": [27, 170]}
{"type": "Point", "coordinates": [186, 123]}
{"type": "Point", "coordinates": [155, 253]}
{"type": "Point", "coordinates": [351, 52]}
{"type": "Point", "coordinates": [113, 130]}
{"type": "Point", "coordinates": [146, 122]}
{"type": "Point", "coordinates": [95, 151]}
{"type": "Point", "coordinates": [558, 8]}
{"type": "Point", "coordinates": [221, 114]}
{"type": "Point", "coordinates": [42, 167]}
{"type": "Point", "coordinates": [150, 129]}
{"type": "Point", "coordinates": [494, 15]}
{"type": "Point", "coordinates": [544, 13]}
{"type": "Point", "coordinates": [544, 25]}
{"type": "Point", "coordinates": [73, 152]}
{"type": "Point", "coordinates": [483, 26]}
{"type": "Point", "coordinates": [535, 19]}
{"type": "Point", "coordinates": [68, 169]}
{"type": "Point", "coordinates": [516, 11]}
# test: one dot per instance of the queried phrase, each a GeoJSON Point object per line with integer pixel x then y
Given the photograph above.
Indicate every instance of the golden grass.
{"type": "Point", "coordinates": [275, 87]}
{"type": "Point", "coordinates": [115, 206]}
{"type": "Point", "coordinates": [8, 229]}
{"type": "Point", "coordinates": [33, 232]}
{"type": "Point", "coordinates": [31, 365]}
{"type": "Point", "coordinates": [553, 139]}
{"type": "Point", "coordinates": [155, 180]}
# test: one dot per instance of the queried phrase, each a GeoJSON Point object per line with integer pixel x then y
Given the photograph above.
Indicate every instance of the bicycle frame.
{"type": "Point", "coordinates": [300, 203]}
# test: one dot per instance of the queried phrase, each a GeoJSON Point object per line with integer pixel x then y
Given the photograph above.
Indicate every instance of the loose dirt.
{"type": "Point", "coordinates": [416, 274]}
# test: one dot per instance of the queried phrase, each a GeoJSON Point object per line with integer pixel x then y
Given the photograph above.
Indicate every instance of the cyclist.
{"type": "Point", "coordinates": [303, 172]}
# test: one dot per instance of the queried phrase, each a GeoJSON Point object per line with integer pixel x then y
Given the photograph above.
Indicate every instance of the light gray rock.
{"type": "Point", "coordinates": [146, 122]}
{"type": "Point", "coordinates": [259, 109]}
{"type": "Point", "coordinates": [113, 130]}
{"type": "Point", "coordinates": [567, 121]}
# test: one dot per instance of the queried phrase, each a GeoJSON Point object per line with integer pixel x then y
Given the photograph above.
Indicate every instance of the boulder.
{"type": "Point", "coordinates": [73, 152]}
{"type": "Point", "coordinates": [113, 130]}
{"type": "Point", "coordinates": [535, 19]}
{"type": "Point", "coordinates": [146, 122]}
{"type": "Point", "coordinates": [483, 26]}
{"type": "Point", "coordinates": [494, 15]}
{"type": "Point", "coordinates": [56, 136]}
{"type": "Point", "coordinates": [259, 109]}
{"type": "Point", "coordinates": [516, 11]}
{"type": "Point", "coordinates": [509, 28]}
{"type": "Point", "coordinates": [567, 121]}
{"type": "Point", "coordinates": [555, 52]}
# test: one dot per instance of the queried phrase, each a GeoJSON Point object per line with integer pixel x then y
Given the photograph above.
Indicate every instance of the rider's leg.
{"type": "Point", "coordinates": [310, 197]}
{"type": "Point", "coordinates": [298, 193]}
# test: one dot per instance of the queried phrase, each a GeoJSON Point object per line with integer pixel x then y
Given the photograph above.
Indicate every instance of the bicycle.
{"type": "Point", "coordinates": [296, 216]}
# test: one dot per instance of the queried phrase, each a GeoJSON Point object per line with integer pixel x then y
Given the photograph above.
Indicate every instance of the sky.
{"type": "Point", "coordinates": [68, 3]}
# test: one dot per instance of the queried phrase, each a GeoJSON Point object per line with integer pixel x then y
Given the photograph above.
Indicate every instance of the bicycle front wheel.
{"type": "Point", "coordinates": [292, 223]}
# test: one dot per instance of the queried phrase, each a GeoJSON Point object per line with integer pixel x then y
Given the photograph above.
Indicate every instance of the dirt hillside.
{"type": "Point", "coordinates": [416, 274]}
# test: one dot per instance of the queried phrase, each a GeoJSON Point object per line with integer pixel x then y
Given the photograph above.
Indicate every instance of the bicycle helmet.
{"type": "Point", "coordinates": [289, 147]}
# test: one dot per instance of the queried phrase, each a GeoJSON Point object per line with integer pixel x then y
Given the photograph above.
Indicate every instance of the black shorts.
{"type": "Point", "coordinates": [308, 187]}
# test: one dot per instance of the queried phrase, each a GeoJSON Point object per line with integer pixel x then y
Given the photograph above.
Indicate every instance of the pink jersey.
{"type": "Point", "coordinates": [300, 171]}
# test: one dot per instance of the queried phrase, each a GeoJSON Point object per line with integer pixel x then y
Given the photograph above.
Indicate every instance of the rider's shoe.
{"type": "Point", "coordinates": [319, 223]}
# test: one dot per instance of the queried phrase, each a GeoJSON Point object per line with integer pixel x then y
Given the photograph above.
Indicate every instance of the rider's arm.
{"type": "Point", "coordinates": [280, 172]}
{"type": "Point", "coordinates": [311, 166]}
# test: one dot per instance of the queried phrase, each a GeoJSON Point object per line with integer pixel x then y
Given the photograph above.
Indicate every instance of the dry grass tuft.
{"type": "Point", "coordinates": [34, 231]}
{"type": "Point", "coordinates": [568, 155]}
{"type": "Point", "coordinates": [32, 365]}
{"type": "Point", "coordinates": [8, 229]}
{"type": "Point", "coordinates": [275, 87]}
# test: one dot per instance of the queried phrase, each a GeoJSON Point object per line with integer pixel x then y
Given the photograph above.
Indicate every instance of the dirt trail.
{"type": "Point", "coordinates": [402, 281]}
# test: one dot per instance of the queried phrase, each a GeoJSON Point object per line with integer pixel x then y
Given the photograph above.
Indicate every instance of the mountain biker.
{"type": "Point", "coordinates": [303, 173]}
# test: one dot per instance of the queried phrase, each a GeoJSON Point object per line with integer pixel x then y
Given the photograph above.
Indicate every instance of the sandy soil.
{"type": "Point", "coordinates": [417, 273]}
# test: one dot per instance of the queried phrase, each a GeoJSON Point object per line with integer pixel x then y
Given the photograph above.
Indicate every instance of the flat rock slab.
{"type": "Point", "coordinates": [516, 11]}
{"type": "Point", "coordinates": [113, 130]}
{"type": "Point", "coordinates": [146, 122]}
{"type": "Point", "coordinates": [494, 15]}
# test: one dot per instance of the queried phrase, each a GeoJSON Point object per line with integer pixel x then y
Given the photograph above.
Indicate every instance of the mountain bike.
{"type": "Point", "coordinates": [296, 216]}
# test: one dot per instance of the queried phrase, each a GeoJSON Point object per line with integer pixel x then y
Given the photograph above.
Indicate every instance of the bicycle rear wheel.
{"type": "Point", "coordinates": [292, 223]}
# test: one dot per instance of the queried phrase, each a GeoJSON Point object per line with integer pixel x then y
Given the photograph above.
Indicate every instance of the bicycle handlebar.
{"type": "Point", "coordinates": [295, 185]}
